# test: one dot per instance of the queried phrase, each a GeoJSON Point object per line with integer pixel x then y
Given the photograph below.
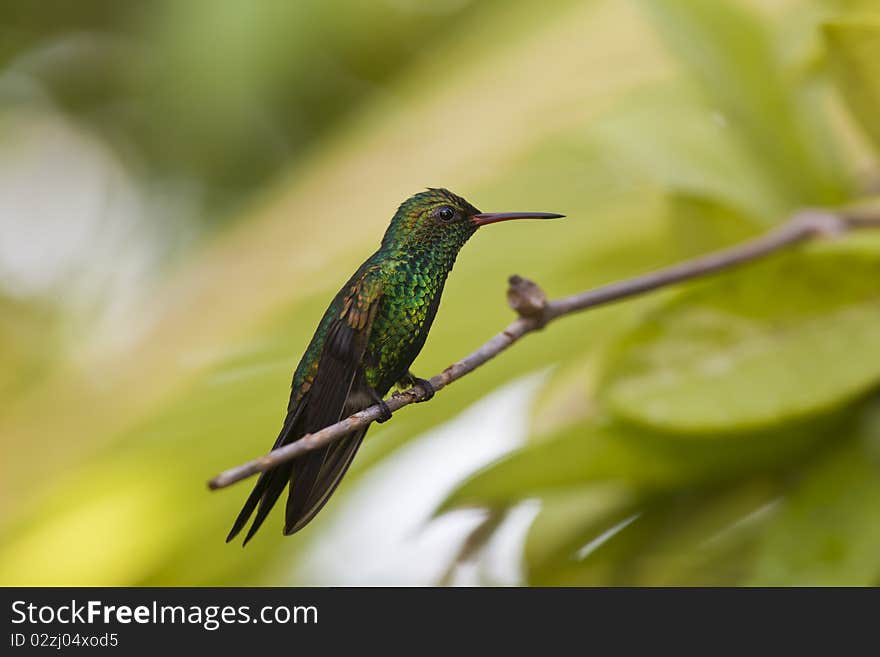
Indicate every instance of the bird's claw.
{"type": "Point", "coordinates": [426, 386]}
{"type": "Point", "coordinates": [384, 411]}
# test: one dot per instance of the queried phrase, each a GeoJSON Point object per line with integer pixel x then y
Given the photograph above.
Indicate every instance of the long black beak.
{"type": "Point", "coordinates": [494, 217]}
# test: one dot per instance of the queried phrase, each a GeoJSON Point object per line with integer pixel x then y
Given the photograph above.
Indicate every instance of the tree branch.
{"type": "Point", "coordinates": [535, 312]}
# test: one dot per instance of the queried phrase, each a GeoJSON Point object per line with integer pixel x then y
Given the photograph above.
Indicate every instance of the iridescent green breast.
{"type": "Point", "coordinates": [411, 295]}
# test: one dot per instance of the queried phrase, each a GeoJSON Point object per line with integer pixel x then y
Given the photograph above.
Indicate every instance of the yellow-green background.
{"type": "Point", "coordinates": [265, 146]}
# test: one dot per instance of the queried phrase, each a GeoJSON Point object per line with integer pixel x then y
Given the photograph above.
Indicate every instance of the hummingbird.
{"type": "Point", "coordinates": [364, 345]}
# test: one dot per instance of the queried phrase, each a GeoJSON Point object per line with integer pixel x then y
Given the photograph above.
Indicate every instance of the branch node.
{"type": "Point", "coordinates": [820, 223]}
{"type": "Point", "coordinates": [527, 299]}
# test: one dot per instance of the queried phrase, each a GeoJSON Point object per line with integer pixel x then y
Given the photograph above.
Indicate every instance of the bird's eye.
{"type": "Point", "coordinates": [446, 213]}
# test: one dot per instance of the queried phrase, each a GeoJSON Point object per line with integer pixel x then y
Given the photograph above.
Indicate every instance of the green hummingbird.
{"type": "Point", "coordinates": [364, 344]}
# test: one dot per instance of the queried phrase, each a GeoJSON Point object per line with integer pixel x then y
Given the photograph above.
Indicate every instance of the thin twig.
{"type": "Point", "coordinates": [535, 313]}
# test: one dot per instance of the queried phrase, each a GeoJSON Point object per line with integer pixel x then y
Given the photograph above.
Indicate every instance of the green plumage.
{"type": "Point", "coordinates": [365, 343]}
{"type": "Point", "coordinates": [408, 272]}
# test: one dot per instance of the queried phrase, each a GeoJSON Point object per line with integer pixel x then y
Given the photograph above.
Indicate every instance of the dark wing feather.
{"type": "Point", "coordinates": [338, 390]}
{"type": "Point", "coordinates": [314, 477]}
{"type": "Point", "coordinates": [321, 473]}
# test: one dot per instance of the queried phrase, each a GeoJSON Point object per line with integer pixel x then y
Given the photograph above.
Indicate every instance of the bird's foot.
{"type": "Point", "coordinates": [426, 386]}
{"type": "Point", "coordinates": [384, 411]}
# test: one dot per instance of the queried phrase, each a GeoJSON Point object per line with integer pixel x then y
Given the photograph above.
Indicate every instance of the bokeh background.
{"type": "Point", "coordinates": [184, 186]}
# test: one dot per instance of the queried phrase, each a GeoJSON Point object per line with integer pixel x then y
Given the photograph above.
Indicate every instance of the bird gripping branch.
{"type": "Point", "coordinates": [364, 344]}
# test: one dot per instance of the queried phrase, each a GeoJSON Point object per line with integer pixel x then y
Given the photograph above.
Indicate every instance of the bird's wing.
{"type": "Point", "coordinates": [314, 477]}
{"type": "Point", "coordinates": [343, 352]}
{"type": "Point", "coordinates": [339, 389]}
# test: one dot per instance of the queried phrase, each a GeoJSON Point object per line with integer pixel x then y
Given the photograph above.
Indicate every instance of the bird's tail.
{"type": "Point", "coordinates": [313, 478]}
{"type": "Point", "coordinates": [316, 477]}
{"type": "Point", "coordinates": [269, 485]}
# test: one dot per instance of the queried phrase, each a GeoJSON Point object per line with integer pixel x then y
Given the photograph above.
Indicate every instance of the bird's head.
{"type": "Point", "coordinates": [438, 220]}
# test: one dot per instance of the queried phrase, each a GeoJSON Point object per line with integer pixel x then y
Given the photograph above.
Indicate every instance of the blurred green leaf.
{"type": "Point", "coordinates": [613, 454]}
{"type": "Point", "coordinates": [698, 224]}
{"type": "Point", "coordinates": [828, 532]}
{"type": "Point", "coordinates": [568, 520]}
{"type": "Point", "coordinates": [732, 56]}
{"type": "Point", "coordinates": [579, 456]}
{"type": "Point", "coordinates": [802, 329]}
{"type": "Point", "coordinates": [854, 52]}
{"type": "Point", "coordinates": [700, 537]}
{"type": "Point", "coordinates": [670, 136]}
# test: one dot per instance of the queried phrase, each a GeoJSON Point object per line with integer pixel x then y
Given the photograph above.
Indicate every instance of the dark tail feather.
{"type": "Point", "coordinates": [275, 486]}
{"type": "Point", "coordinates": [316, 480]}
{"type": "Point", "coordinates": [249, 506]}
{"type": "Point", "coordinates": [268, 487]}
